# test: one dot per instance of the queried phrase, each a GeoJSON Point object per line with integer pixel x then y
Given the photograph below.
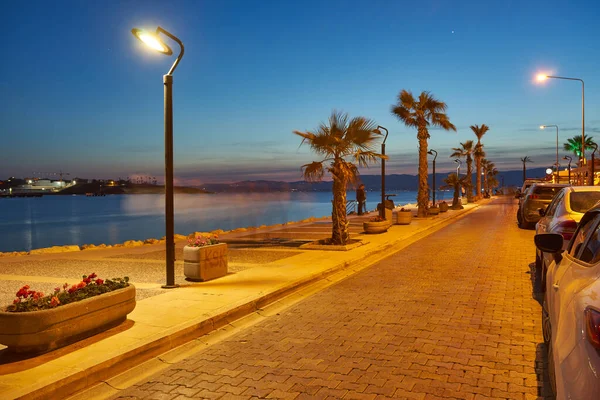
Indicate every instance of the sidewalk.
{"type": "Point", "coordinates": [267, 265]}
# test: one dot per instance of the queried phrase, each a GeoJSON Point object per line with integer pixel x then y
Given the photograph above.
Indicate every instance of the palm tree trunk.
{"type": "Point", "coordinates": [469, 179]}
{"type": "Point", "coordinates": [339, 229]}
{"type": "Point", "coordinates": [423, 193]}
{"type": "Point", "coordinates": [455, 201]}
{"type": "Point", "coordinates": [478, 177]}
{"type": "Point", "coordinates": [524, 173]}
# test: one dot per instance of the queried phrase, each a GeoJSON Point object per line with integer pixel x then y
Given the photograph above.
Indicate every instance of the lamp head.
{"type": "Point", "coordinates": [377, 131]}
{"type": "Point", "coordinates": [541, 77]}
{"type": "Point", "coordinates": [542, 126]}
{"type": "Point", "coordinates": [548, 171]}
{"type": "Point", "coordinates": [430, 152]}
{"type": "Point", "coordinates": [151, 40]}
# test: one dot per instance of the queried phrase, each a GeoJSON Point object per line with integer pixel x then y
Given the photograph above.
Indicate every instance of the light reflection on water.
{"type": "Point", "coordinates": [29, 223]}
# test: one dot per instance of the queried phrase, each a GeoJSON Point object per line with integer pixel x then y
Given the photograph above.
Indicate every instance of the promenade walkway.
{"type": "Point", "coordinates": [267, 265]}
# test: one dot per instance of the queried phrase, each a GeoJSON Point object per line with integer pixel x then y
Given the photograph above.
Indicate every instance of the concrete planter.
{"type": "Point", "coordinates": [45, 330]}
{"type": "Point", "coordinates": [376, 227]}
{"type": "Point", "coordinates": [434, 211]}
{"type": "Point", "coordinates": [443, 207]}
{"type": "Point", "coordinates": [206, 262]}
{"type": "Point", "coordinates": [403, 217]}
{"type": "Point", "coordinates": [463, 201]}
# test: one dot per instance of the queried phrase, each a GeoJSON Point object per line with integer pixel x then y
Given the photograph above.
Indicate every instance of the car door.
{"type": "Point", "coordinates": [559, 274]}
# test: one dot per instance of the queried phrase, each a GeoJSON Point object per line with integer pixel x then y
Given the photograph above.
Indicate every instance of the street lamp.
{"type": "Point", "coordinates": [153, 41]}
{"type": "Point", "coordinates": [593, 153]}
{"type": "Point", "coordinates": [457, 160]}
{"type": "Point", "coordinates": [556, 126]}
{"type": "Point", "coordinates": [543, 77]}
{"type": "Point", "coordinates": [568, 158]}
{"type": "Point", "coordinates": [377, 130]}
{"type": "Point", "coordinates": [434, 157]}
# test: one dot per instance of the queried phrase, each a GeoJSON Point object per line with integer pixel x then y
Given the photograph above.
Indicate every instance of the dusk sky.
{"type": "Point", "coordinates": [80, 94]}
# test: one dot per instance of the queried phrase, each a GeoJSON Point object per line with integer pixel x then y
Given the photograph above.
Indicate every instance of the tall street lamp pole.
{"type": "Point", "coordinates": [543, 77]}
{"type": "Point", "coordinates": [152, 40]}
{"type": "Point", "coordinates": [431, 152]}
{"type": "Point", "coordinates": [569, 167]}
{"type": "Point", "coordinates": [556, 126]}
{"type": "Point", "coordinates": [382, 210]}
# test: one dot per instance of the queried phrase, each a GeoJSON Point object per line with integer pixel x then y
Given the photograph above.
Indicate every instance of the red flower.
{"type": "Point", "coordinates": [17, 300]}
{"type": "Point", "coordinates": [37, 295]}
{"type": "Point", "coordinates": [81, 285]}
{"type": "Point", "coordinates": [99, 281]}
{"type": "Point", "coordinates": [23, 291]}
{"type": "Point", "coordinates": [56, 289]}
{"type": "Point", "coordinates": [54, 302]}
{"type": "Point", "coordinates": [72, 288]}
{"type": "Point", "coordinates": [87, 280]}
{"type": "Point", "coordinates": [93, 275]}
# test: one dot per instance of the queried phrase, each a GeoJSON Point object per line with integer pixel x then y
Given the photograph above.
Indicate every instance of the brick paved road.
{"type": "Point", "coordinates": [450, 316]}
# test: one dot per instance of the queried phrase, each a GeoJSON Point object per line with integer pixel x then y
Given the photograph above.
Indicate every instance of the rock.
{"type": "Point", "coordinates": [218, 232]}
{"type": "Point", "coordinates": [151, 241]}
{"type": "Point", "coordinates": [179, 237]}
{"type": "Point", "coordinates": [133, 243]}
{"type": "Point", "coordinates": [55, 249]}
{"type": "Point", "coordinates": [88, 247]}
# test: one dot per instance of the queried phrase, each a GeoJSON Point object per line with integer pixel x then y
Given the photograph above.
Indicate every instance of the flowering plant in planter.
{"type": "Point", "coordinates": [377, 218]}
{"type": "Point", "coordinates": [90, 286]}
{"type": "Point", "coordinates": [201, 240]}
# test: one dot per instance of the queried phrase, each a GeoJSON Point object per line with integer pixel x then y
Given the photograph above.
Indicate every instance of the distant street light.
{"type": "Point", "coordinates": [543, 77]}
{"type": "Point", "coordinates": [569, 158]}
{"type": "Point", "coordinates": [556, 126]}
{"type": "Point", "coordinates": [457, 160]}
{"type": "Point", "coordinates": [549, 171]}
{"type": "Point", "coordinates": [153, 41]}
{"type": "Point", "coordinates": [430, 152]}
{"type": "Point", "coordinates": [382, 210]}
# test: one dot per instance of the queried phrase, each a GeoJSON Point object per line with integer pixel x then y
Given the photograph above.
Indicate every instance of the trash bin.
{"type": "Point", "coordinates": [389, 206]}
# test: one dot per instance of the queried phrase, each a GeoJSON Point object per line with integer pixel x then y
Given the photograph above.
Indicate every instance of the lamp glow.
{"type": "Point", "coordinates": [549, 171]}
{"type": "Point", "coordinates": [542, 126]}
{"type": "Point", "coordinates": [541, 77]}
{"type": "Point", "coordinates": [152, 41]}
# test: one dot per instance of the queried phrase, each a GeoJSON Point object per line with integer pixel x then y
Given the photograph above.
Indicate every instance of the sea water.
{"type": "Point", "coordinates": [31, 223]}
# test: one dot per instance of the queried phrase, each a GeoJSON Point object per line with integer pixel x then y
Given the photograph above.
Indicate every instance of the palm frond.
{"type": "Point", "coordinates": [313, 172]}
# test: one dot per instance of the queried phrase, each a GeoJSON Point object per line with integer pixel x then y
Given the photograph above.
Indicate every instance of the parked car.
{"type": "Point", "coordinates": [539, 195]}
{"type": "Point", "coordinates": [526, 185]}
{"type": "Point", "coordinates": [571, 309]}
{"type": "Point", "coordinates": [562, 216]}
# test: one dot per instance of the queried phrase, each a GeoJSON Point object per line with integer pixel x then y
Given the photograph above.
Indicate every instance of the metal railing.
{"type": "Point", "coordinates": [351, 206]}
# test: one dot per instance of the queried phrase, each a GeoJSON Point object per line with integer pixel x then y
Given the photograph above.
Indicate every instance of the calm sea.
{"type": "Point", "coordinates": [30, 223]}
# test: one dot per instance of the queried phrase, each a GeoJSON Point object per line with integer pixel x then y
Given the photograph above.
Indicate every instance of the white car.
{"type": "Point", "coordinates": [562, 216]}
{"type": "Point", "coordinates": [571, 310]}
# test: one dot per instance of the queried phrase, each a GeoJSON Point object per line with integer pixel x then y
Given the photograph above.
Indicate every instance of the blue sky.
{"type": "Point", "coordinates": [79, 93]}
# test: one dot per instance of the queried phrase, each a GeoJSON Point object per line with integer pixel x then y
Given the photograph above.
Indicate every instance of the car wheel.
{"type": "Point", "coordinates": [546, 325]}
{"type": "Point", "coordinates": [519, 218]}
{"type": "Point", "coordinates": [551, 373]}
{"type": "Point", "coordinates": [538, 275]}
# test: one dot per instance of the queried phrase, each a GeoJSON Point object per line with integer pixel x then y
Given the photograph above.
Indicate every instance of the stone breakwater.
{"type": "Point", "coordinates": [138, 243]}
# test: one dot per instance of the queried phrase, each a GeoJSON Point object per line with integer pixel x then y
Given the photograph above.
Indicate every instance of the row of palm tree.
{"type": "Point", "coordinates": [470, 150]}
{"type": "Point", "coordinates": [345, 144]}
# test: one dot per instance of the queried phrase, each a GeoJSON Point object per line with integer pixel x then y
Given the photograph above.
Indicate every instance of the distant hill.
{"type": "Point", "coordinates": [372, 182]}
{"type": "Point", "coordinates": [132, 188]}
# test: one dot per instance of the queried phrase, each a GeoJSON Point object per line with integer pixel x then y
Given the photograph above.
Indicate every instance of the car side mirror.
{"type": "Point", "coordinates": [550, 243]}
{"type": "Point", "coordinates": [542, 212]}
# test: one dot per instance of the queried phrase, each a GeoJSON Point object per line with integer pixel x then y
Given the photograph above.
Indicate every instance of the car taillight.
{"type": "Point", "coordinates": [534, 196]}
{"type": "Point", "coordinates": [566, 228]}
{"type": "Point", "coordinates": [592, 324]}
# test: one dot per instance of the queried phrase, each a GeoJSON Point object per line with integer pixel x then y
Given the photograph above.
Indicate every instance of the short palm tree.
{"type": "Point", "coordinates": [421, 113]}
{"type": "Point", "coordinates": [342, 138]}
{"type": "Point", "coordinates": [454, 182]}
{"type": "Point", "coordinates": [574, 144]}
{"type": "Point", "coordinates": [525, 160]}
{"type": "Point", "coordinates": [466, 151]}
{"type": "Point", "coordinates": [478, 153]}
{"type": "Point", "coordinates": [490, 179]}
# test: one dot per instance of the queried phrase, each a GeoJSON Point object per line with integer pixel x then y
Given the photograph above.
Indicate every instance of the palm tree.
{"type": "Point", "coordinates": [466, 151]}
{"type": "Point", "coordinates": [525, 160]}
{"type": "Point", "coordinates": [454, 182]}
{"type": "Point", "coordinates": [342, 138]}
{"type": "Point", "coordinates": [490, 177]}
{"type": "Point", "coordinates": [478, 153]}
{"type": "Point", "coordinates": [574, 144]}
{"type": "Point", "coordinates": [420, 114]}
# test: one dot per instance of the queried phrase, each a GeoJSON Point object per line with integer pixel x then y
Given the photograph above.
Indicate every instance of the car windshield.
{"type": "Point", "coordinates": [583, 201]}
{"type": "Point", "coordinates": [545, 192]}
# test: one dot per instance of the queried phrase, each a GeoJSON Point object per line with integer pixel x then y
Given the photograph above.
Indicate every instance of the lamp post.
{"type": "Point", "coordinates": [569, 167]}
{"type": "Point", "coordinates": [152, 40]}
{"type": "Point", "coordinates": [378, 130]}
{"type": "Point", "coordinates": [543, 77]}
{"type": "Point", "coordinates": [434, 157]}
{"type": "Point", "coordinates": [593, 166]}
{"type": "Point", "coordinates": [457, 160]}
{"type": "Point", "coordinates": [556, 126]}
